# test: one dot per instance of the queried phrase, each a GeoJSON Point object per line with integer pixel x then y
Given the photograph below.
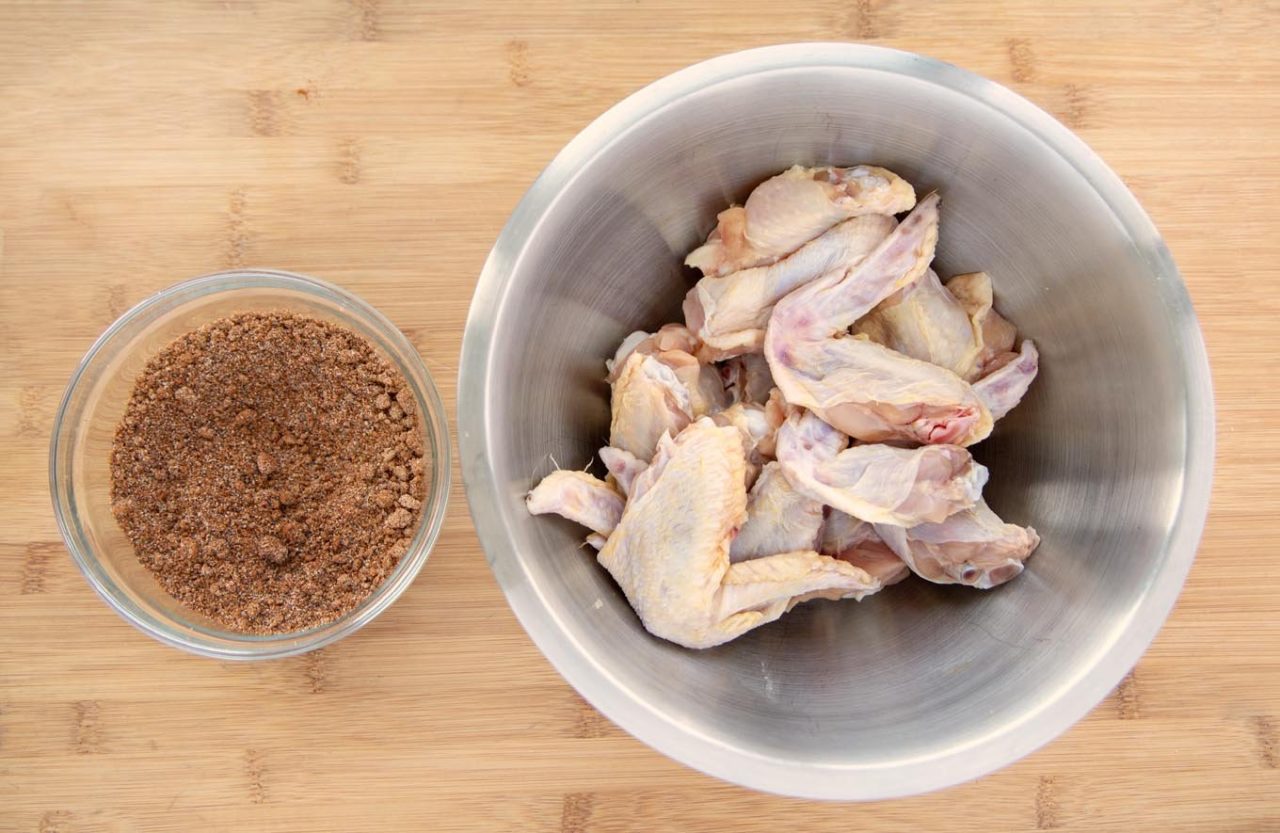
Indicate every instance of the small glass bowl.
{"type": "Point", "coordinates": [91, 408]}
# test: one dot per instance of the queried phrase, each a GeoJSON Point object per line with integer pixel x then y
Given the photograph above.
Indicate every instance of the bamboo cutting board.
{"type": "Point", "coordinates": [381, 144]}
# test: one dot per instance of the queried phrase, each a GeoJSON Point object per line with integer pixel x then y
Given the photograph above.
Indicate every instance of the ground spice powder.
{"type": "Point", "coordinates": [269, 470]}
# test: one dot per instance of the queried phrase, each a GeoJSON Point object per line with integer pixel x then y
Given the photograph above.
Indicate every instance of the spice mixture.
{"type": "Point", "coordinates": [269, 470]}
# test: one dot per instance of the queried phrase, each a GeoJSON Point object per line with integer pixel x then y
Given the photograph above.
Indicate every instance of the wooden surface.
{"type": "Point", "coordinates": [381, 145]}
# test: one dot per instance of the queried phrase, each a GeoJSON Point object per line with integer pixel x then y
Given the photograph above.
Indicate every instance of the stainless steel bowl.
{"type": "Point", "coordinates": [1109, 457]}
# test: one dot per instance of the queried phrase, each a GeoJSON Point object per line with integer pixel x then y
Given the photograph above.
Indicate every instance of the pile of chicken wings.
{"type": "Point", "coordinates": [804, 433]}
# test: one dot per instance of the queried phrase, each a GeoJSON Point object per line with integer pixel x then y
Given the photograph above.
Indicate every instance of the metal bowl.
{"type": "Point", "coordinates": [1109, 457]}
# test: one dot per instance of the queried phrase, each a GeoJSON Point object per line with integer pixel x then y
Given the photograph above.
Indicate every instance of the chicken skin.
{"type": "Point", "coordinates": [673, 563]}
{"type": "Point", "coordinates": [973, 547]}
{"type": "Point", "coordinates": [779, 518]}
{"type": "Point", "coordinates": [878, 483]}
{"type": "Point", "coordinates": [845, 537]}
{"type": "Point", "coordinates": [729, 313]}
{"type": "Point", "coordinates": [648, 402]}
{"type": "Point", "coordinates": [579, 497]}
{"type": "Point", "coordinates": [864, 389]}
{"type": "Point", "coordinates": [790, 209]}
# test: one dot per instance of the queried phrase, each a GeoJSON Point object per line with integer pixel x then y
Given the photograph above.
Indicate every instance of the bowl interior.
{"type": "Point", "coordinates": [96, 402]}
{"type": "Point", "coordinates": [854, 694]}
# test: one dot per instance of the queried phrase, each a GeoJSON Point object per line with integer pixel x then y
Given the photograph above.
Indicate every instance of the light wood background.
{"type": "Point", "coordinates": [381, 144]}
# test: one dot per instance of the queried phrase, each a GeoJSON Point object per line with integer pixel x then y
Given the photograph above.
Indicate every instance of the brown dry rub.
{"type": "Point", "coordinates": [261, 475]}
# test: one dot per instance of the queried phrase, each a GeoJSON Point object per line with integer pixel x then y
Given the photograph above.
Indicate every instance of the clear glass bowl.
{"type": "Point", "coordinates": [91, 408]}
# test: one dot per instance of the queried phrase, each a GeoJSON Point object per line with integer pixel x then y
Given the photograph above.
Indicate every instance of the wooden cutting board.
{"type": "Point", "coordinates": [381, 144]}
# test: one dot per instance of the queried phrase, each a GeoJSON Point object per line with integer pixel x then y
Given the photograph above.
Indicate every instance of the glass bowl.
{"type": "Point", "coordinates": [95, 399]}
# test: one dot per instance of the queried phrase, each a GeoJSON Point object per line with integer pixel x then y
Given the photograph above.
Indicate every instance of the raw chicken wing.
{"type": "Point", "coordinates": [792, 208]}
{"type": "Point", "coordinates": [648, 401]}
{"type": "Point", "coordinates": [864, 389]}
{"type": "Point", "coordinates": [878, 483]}
{"type": "Point", "coordinates": [926, 322]}
{"type": "Point", "coordinates": [668, 337]}
{"type": "Point", "coordinates": [706, 389]}
{"type": "Point", "coordinates": [579, 497]}
{"type": "Point", "coordinates": [994, 335]}
{"type": "Point", "coordinates": [1004, 387]}
{"type": "Point", "coordinates": [729, 314]}
{"type": "Point", "coordinates": [759, 426]}
{"type": "Point", "coordinates": [675, 346]}
{"type": "Point", "coordinates": [779, 518]}
{"type": "Point", "coordinates": [624, 467]}
{"type": "Point", "coordinates": [673, 563]}
{"type": "Point", "coordinates": [1003, 375]}
{"type": "Point", "coordinates": [973, 547]}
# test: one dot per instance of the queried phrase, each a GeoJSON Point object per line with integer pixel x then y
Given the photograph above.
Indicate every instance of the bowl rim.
{"type": "Point", "coordinates": [248, 647]}
{"type": "Point", "coordinates": [1055, 710]}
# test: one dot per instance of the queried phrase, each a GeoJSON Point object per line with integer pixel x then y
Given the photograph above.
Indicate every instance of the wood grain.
{"type": "Point", "coordinates": [381, 145]}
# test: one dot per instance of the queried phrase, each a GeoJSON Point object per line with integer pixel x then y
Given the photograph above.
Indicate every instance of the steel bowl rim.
{"type": "Point", "coordinates": [1057, 710]}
